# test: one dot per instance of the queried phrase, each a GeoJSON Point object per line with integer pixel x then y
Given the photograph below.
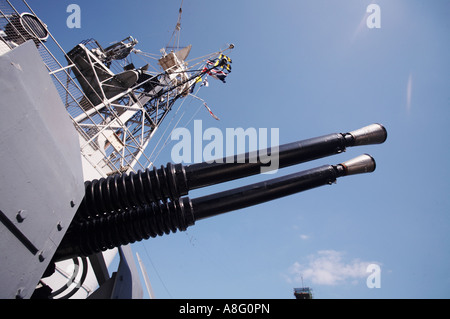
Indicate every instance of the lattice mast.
{"type": "Point", "coordinates": [115, 106]}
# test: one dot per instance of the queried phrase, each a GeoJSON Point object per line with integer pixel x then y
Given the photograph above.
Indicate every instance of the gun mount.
{"type": "Point", "coordinates": [122, 209]}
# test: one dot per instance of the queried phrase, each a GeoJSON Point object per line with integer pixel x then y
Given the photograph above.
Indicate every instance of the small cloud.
{"type": "Point", "coordinates": [409, 92]}
{"type": "Point", "coordinates": [360, 28]}
{"type": "Point", "coordinates": [304, 237]}
{"type": "Point", "coordinates": [327, 267]}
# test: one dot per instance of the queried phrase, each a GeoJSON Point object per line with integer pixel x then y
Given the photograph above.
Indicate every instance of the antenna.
{"type": "Point", "coordinates": [176, 32]}
{"type": "Point", "coordinates": [146, 279]}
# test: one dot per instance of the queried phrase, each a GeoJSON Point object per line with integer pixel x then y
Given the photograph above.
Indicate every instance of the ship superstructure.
{"type": "Point", "coordinates": [114, 106]}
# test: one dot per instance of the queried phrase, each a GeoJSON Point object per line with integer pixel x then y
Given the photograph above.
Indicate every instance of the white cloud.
{"type": "Point", "coordinates": [409, 92]}
{"type": "Point", "coordinates": [327, 267]}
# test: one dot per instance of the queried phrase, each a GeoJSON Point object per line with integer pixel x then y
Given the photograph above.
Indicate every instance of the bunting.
{"type": "Point", "coordinates": [219, 68]}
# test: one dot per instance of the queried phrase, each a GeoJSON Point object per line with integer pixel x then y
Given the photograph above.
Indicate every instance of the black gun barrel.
{"type": "Point", "coordinates": [173, 181]}
{"type": "Point", "coordinates": [205, 174]}
{"type": "Point", "coordinates": [215, 204]}
{"type": "Point", "coordinates": [92, 236]}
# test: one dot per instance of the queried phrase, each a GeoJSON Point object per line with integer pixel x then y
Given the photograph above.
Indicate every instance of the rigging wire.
{"type": "Point", "coordinates": [175, 126]}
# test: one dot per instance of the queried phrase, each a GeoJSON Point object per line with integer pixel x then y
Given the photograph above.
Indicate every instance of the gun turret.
{"type": "Point", "coordinates": [123, 209]}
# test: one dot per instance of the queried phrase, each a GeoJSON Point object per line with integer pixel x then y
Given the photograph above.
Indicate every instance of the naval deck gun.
{"type": "Point", "coordinates": [125, 208]}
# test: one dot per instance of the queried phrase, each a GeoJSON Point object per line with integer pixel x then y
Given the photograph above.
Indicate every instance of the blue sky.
{"type": "Point", "coordinates": [308, 68]}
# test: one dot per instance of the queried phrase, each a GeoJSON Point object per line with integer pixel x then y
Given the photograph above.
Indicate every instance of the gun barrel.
{"type": "Point", "coordinates": [173, 181]}
{"type": "Point", "coordinates": [205, 174]}
{"type": "Point", "coordinates": [250, 195]}
{"type": "Point", "coordinates": [143, 222]}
